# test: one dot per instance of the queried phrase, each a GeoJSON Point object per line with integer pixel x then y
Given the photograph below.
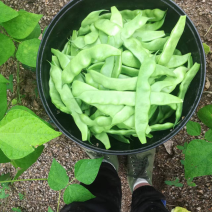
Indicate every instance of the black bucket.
{"type": "Point", "coordinates": [70, 18]}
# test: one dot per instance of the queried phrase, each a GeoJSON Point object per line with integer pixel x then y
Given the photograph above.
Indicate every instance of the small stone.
{"type": "Point", "coordinates": [39, 8]}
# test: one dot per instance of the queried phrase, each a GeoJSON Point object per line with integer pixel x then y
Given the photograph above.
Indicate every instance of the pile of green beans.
{"type": "Point", "coordinates": [117, 74]}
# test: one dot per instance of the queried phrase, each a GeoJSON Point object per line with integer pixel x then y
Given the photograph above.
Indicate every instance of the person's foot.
{"type": "Point", "coordinates": [112, 159]}
{"type": "Point", "coordinates": [140, 167]}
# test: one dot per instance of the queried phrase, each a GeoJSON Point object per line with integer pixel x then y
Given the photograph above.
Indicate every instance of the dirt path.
{"type": "Point", "coordinates": [38, 196]}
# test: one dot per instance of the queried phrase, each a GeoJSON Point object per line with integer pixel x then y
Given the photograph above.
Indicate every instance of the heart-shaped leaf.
{"type": "Point", "coordinates": [86, 170]}
{"type": "Point", "coordinates": [208, 135]}
{"type": "Point", "coordinates": [22, 25]}
{"type": "Point", "coordinates": [77, 193]}
{"type": "Point", "coordinates": [58, 178]}
{"type": "Point", "coordinates": [205, 115]}
{"type": "Point", "coordinates": [6, 12]}
{"type": "Point", "coordinates": [7, 48]}
{"type": "Point", "coordinates": [193, 128]}
{"type": "Point", "coordinates": [21, 132]}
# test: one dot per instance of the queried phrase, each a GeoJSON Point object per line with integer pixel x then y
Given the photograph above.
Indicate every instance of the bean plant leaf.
{"type": "Point", "coordinates": [205, 115]}
{"type": "Point", "coordinates": [3, 158]}
{"type": "Point", "coordinates": [174, 183]}
{"type": "Point", "coordinates": [206, 48]}
{"type": "Point", "coordinates": [193, 128]}
{"type": "Point", "coordinates": [10, 84]}
{"type": "Point", "coordinates": [58, 178]}
{"type": "Point", "coordinates": [35, 33]}
{"type": "Point", "coordinates": [50, 210]}
{"type": "Point", "coordinates": [21, 196]}
{"type": "Point", "coordinates": [28, 161]}
{"type": "Point", "coordinates": [208, 135]}
{"type": "Point", "coordinates": [4, 177]}
{"type": "Point", "coordinates": [190, 183]}
{"type": "Point", "coordinates": [86, 170]}
{"type": "Point", "coordinates": [6, 12]}
{"type": "Point", "coordinates": [22, 25]}
{"type": "Point", "coordinates": [21, 132]}
{"type": "Point", "coordinates": [7, 48]}
{"type": "Point", "coordinates": [198, 159]}
{"type": "Point", "coordinates": [3, 195]}
{"type": "Point", "coordinates": [19, 173]}
{"type": "Point", "coordinates": [16, 209]}
{"type": "Point", "coordinates": [77, 193]}
{"type": "Point", "coordinates": [27, 52]}
{"type": "Point", "coordinates": [3, 100]}
{"type": "Point", "coordinates": [3, 80]}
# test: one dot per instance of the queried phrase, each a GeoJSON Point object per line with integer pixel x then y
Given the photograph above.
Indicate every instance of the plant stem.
{"type": "Point", "coordinates": [10, 181]}
{"type": "Point", "coordinates": [71, 181]}
{"type": "Point", "coordinates": [18, 84]}
{"type": "Point", "coordinates": [58, 204]}
{"type": "Point", "coordinates": [208, 30]}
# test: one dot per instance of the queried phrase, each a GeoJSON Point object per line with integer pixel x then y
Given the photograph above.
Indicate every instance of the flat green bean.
{"type": "Point", "coordinates": [129, 59]}
{"type": "Point", "coordinates": [145, 36]}
{"type": "Point", "coordinates": [63, 59]}
{"type": "Point", "coordinates": [103, 137]}
{"type": "Point", "coordinates": [121, 138]}
{"type": "Point", "coordinates": [116, 16]}
{"type": "Point", "coordinates": [84, 58]}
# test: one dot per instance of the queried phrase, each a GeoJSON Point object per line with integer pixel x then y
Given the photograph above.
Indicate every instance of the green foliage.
{"type": "Point", "coordinates": [183, 148]}
{"type": "Point", "coordinates": [174, 183]}
{"type": "Point", "coordinates": [76, 193]}
{"type": "Point", "coordinates": [27, 52]}
{"type": "Point", "coordinates": [3, 80]}
{"type": "Point", "coordinates": [91, 167]}
{"type": "Point", "coordinates": [16, 209]}
{"type": "Point", "coordinates": [190, 183]}
{"type": "Point", "coordinates": [10, 84]}
{"type": "Point", "coordinates": [7, 13]}
{"type": "Point", "coordinates": [21, 196]}
{"type": "Point", "coordinates": [7, 48]}
{"type": "Point", "coordinates": [50, 210]}
{"type": "Point", "coordinates": [4, 186]}
{"type": "Point", "coordinates": [3, 158]}
{"type": "Point", "coordinates": [14, 102]}
{"type": "Point", "coordinates": [26, 130]}
{"type": "Point", "coordinates": [193, 128]}
{"type": "Point", "coordinates": [58, 178]}
{"type": "Point", "coordinates": [35, 33]}
{"type": "Point", "coordinates": [198, 159]}
{"type": "Point", "coordinates": [206, 48]}
{"type": "Point", "coordinates": [205, 115]}
{"type": "Point", "coordinates": [208, 135]}
{"type": "Point", "coordinates": [22, 26]}
{"type": "Point", "coordinates": [3, 98]}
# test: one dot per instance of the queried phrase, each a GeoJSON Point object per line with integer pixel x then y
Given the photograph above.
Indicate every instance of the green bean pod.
{"type": "Point", "coordinates": [129, 59]}
{"type": "Point", "coordinates": [63, 59]}
{"type": "Point", "coordinates": [84, 59]}
{"type": "Point", "coordinates": [146, 36]}
{"type": "Point", "coordinates": [103, 137]}
{"type": "Point", "coordinates": [172, 42]}
{"type": "Point", "coordinates": [159, 127]}
{"type": "Point", "coordinates": [116, 16]}
{"type": "Point", "coordinates": [184, 87]}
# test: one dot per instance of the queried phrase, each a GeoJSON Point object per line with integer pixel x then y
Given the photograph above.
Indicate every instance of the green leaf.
{"type": "Point", "coordinates": [27, 52]}
{"type": "Point", "coordinates": [21, 132]}
{"type": "Point", "coordinates": [7, 48]}
{"type": "Point", "coordinates": [5, 177]}
{"type": "Point", "coordinates": [3, 195]}
{"type": "Point", "coordinates": [86, 170]}
{"type": "Point", "coordinates": [180, 147]}
{"type": "Point", "coordinates": [174, 183]}
{"type": "Point", "coordinates": [22, 25]}
{"type": "Point", "coordinates": [3, 98]}
{"type": "Point", "coordinates": [16, 209]}
{"type": "Point", "coordinates": [208, 135]}
{"type": "Point", "coordinates": [10, 84]}
{"type": "Point", "coordinates": [77, 193]}
{"type": "Point", "coordinates": [190, 183]}
{"type": "Point", "coordinates": [7, 13]}
{"type": "Point", "coordinates": [3, 80]}
{"type": "Point", "coordinates": [58, 178]}
{"type": "Point", "coordinates": [50, 210]}
{"type": "Point", "coordinates": [28, 161]}
{"type": "Point", "coordinates": [35, 33]}
{"type": "Point", "coordinates": [206, 48]}
{"type": "Point", "coordinates": [3, 158]}
{"type": "Point", "coordinates": [45, 29]}
{"type": "Point", "coordinates": [19, 173]}
{"type": "Point", "coordinates": [198, 159]}
{"type": "Point", "coordinates": [205, 115]}
{"type": "Point", "coordinates": [193, 128]}
{"type": "Point", "coordinates": [14, 102]}
{"type": "Point", "coordinates": [21, 196]}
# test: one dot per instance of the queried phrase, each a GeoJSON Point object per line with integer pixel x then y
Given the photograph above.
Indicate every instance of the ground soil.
{"type": "Point", "coordinates": [38, 196]}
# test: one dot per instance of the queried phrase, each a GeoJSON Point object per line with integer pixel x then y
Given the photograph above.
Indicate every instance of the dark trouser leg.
{"type": "Point", "coordinates": [106, 188]}
{"type": "Point", "coordinates": [147, 199]}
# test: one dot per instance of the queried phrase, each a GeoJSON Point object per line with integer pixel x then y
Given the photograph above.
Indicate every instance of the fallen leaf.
{"type": "Point", "coordinates": [168, 146]}
{"type": "Point", "coordinates": [207, 84]}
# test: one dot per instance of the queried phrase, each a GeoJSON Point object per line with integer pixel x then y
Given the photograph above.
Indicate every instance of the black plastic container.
{"type": "Point", "coordinates": [70, 18]}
